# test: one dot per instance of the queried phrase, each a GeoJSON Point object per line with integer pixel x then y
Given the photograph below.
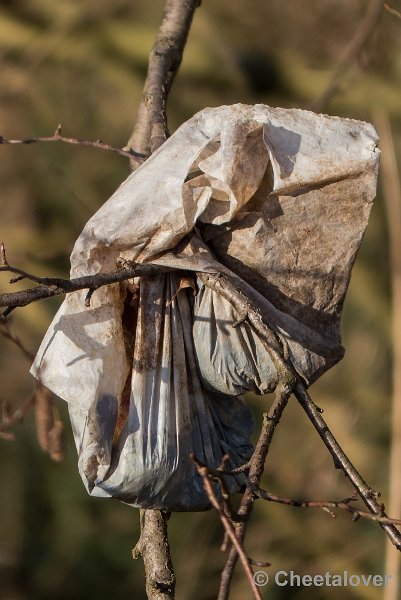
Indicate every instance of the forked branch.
{"type": "Point", "coordinates": [291, 382]}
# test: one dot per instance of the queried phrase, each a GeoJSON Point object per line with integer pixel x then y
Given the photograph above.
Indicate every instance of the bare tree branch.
{"type": "Point", "coordinates": [55, 286]}
{"type": "Point", "coordinates": [290, 382]}
{"type": "Point", "coordinates": [328, 506]}
{"type": "Point", "coordinates": [154, 548]}
{"type": "Point", "coordinates": [164, 61]}
{"type": "Point", "coordinates": [341, 461]}
{"type": "Point", "coordinates": [57, 137]}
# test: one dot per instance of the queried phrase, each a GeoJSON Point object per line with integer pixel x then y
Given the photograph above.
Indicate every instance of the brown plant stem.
{"type": "Point", "coordinates": [49, 427]}
{"type": "Point", "coordinates": [7, 333]}
{"type": "Point", "coordinates": [9, 419]}
{"type": "Point", "coordinates": [391, 185]}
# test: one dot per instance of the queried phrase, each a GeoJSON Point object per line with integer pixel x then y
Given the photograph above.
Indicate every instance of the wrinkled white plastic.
{"type": "Point", "coordinates": [278, 197]}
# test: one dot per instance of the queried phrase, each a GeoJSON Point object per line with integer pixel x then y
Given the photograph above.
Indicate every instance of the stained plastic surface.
{"type": "Point", "coordinates": [278, 199]}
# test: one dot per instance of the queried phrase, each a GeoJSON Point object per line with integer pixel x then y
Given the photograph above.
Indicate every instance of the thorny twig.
{"type": "Point", "coordinates": [341, 461]}
{"type": "Point", "coordinates": [326, 505]}
{"type": "Point", "coordinates": [58, 137]}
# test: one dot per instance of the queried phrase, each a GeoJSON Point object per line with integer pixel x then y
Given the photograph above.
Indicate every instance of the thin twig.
{"type": "Point", "coordinates": [351, 53]}
{"type": "Point", "coordinates": [57, 137]}
{"type": "Point", "coordinates": [228, 527]}
{"type": "Point", "coordinates": [7, 333]}
{"type": "Point", "coordinates": [256, 468]}
{"type": "Point", "coordinates": [292, 382]}
{"type": "Point", "coordinates": [10, 419]}
{"type": "Point", "coordinates": [49, 426]}
{"type": "Point", "coordinates": [288, 377]}
{"type": "Point", "coordinates": [341, 461]}
{"type": "Point", "coordinates": [393, 11]}
{"type": "Point", "coordinates": [328, 506]}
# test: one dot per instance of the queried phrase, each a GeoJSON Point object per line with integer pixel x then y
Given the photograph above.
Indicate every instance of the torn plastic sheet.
{"type": "Point", "coordinates": [276, 198]}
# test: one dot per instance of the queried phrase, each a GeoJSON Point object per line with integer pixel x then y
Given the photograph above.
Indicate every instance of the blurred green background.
{"type": "Point", "coordinates": [83, 64]}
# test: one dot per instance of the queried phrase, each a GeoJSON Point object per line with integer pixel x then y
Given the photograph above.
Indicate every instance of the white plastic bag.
{"type": "Point", "coordinates": [280, 198]}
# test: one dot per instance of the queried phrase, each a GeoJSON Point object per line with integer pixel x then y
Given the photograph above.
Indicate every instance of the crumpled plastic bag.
{"type": "Point", "coordinates": [278, 199]}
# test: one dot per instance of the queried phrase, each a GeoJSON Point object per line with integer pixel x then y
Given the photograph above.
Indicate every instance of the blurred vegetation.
{"type": "Point", "coordinates": [83, 64]}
